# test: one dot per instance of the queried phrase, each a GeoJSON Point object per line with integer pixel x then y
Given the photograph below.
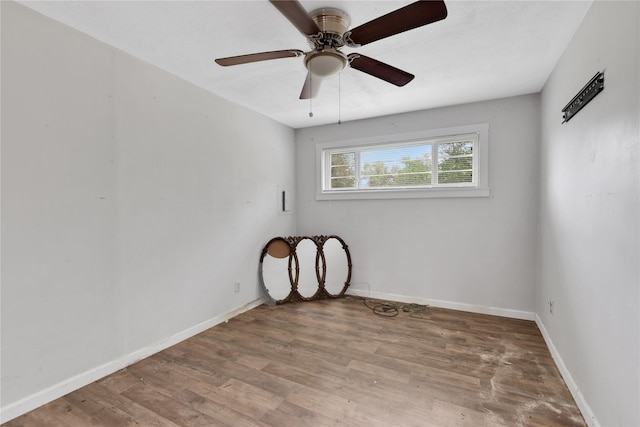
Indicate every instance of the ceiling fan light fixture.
{"type": "Point", "coordinates": [326, 62]}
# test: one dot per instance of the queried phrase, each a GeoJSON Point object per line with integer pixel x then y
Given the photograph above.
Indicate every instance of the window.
{"type": "Point", "coordinates": [442, 163]}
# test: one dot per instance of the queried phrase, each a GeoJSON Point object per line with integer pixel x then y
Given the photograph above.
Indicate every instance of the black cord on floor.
{"type": "Point", "coordinates": [392, 309]}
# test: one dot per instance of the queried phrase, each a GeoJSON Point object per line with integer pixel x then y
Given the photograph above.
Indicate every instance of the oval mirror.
{"type": "Point", "coordinates": [274, 269]}
{"type": "Point", "coordinates": [306, 252]}
{"type": "Point", "coordinates": [337, 261]}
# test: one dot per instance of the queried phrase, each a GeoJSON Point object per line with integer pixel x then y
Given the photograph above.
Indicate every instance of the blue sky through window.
{"type": "Point", "coordinates": [393, 156]}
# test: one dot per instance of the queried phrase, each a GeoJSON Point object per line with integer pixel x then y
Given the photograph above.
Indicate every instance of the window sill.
{"type": "Point", "coordinates": [403, 194]}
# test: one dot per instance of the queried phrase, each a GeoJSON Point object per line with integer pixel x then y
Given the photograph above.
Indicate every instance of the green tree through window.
{"type": "Point", "coordinates": [376, 174]}
{"type": "Point", "coordinates": [343, 170]}
{"type": "Point", "coordinates": [455, 162]}
{"type": "Point", "coordinates": [414, 172]}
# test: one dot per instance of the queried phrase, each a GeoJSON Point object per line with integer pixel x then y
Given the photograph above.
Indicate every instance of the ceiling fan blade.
{"type": "Point", "coordinates": [311, 87]}
{"type": "Point", "coordinates": [255, 57]}
{"type": "Point", "coordinates": [297, 15]}
{"type": "Point", "coordinates": [406, 18]}
{"type": "Point", "coordinates": [379, 69]}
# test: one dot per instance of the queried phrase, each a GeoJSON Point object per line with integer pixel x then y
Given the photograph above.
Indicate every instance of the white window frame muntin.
{"type": "Point", "coordinates": [480, 158]}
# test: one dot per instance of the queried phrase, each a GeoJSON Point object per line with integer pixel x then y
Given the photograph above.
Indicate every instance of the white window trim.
{"type": "Point", "coordinates": [481, 156]}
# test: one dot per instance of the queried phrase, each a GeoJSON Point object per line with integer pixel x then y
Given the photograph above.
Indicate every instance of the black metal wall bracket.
{"type": "Point", "coordinates": [586, 94]}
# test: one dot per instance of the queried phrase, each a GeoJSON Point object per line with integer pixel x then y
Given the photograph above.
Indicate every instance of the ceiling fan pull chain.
{"type": "Point", "coordinates": [339, 99]}
{"type": "Point", "coordinates": [310, 97]}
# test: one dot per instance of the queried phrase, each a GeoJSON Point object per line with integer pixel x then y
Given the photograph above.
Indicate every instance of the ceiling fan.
{"type": "Point", "coordinates": [327, 30]}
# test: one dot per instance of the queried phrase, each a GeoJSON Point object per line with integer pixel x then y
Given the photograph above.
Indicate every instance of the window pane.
{"type": "Point", "coordinates": [343, 170]}
{"type": "Point", "coordinates": [455, 162]}
{"type": "Point", "coordinates": [396, 167]}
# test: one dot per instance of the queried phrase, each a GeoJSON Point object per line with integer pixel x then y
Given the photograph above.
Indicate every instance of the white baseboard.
{"type": "Point", "coordinates": [585, 409]}
{"type": "Point", "coordinates": [29, 403]}
{"type": "Point", "coordinates": [495, 311]}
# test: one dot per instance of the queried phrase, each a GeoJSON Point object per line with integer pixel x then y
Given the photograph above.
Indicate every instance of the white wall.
{"type": "Point", "coordinates": [470, 253]}
{"type": "Point", "coordinates": [589, 217]}
{"type": "Point", "coordinates": [131, 203]}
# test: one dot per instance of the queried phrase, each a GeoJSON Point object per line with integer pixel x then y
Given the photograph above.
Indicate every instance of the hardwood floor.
{"type": "Point", "coordinates": [333, 363]}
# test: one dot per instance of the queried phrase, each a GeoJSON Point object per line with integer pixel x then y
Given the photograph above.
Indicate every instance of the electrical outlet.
{"type": "Point", "coordinates": [551, 306]}
{"type": "Point", "coordinates": [237, 287]}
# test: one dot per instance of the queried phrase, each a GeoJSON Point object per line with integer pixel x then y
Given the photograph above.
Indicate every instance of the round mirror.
{"type": "Point", "coordinates": [275, 267]}
{"type": "Point", "coordinates": [306, 253]}
{"type": "Point", "coordinates": [337, 261]}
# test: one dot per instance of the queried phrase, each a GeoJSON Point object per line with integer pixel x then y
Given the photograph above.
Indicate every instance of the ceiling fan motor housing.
{"type": "Point", "coordinates": [331, 20]}
{"type": "Point", "coordinates": [326, 60]}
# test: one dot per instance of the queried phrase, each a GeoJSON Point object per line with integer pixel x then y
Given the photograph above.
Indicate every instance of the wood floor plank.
{"type": "Point", "coordinates": [333, 363]}
{"type": "Point", "coordinates": [56, 413]}
{"type": "Point", "coordinates": [104, 415]}
{"type": "Point", "coordinates": [137, 414]}
{"type": "Point", "coordinates": [290, 415]}
{"type": "Point", "coordinates": [168, 407]}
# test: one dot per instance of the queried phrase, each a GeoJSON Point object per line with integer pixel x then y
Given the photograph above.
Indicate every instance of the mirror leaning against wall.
{"type": "Point", "coordinates": [304, 268]}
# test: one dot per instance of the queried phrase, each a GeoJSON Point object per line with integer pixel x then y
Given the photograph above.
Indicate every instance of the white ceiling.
{"type": "Point", "coordinates": [482, 50]}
